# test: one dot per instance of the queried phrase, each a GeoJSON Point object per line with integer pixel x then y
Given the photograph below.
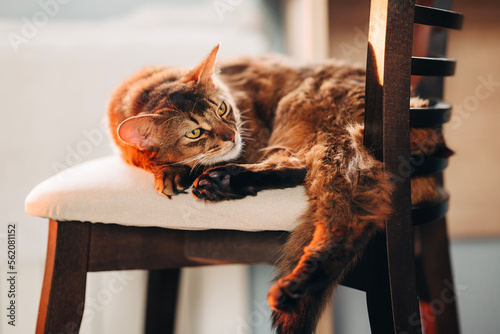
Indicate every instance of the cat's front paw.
{"type": "Point", "coordinates": [172, 180]}
{"type": "Point", "coordinates": [224, 183]}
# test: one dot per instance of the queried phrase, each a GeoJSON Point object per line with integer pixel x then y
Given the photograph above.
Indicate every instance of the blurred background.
{"type": "Point", "coordinates": [60, 60]}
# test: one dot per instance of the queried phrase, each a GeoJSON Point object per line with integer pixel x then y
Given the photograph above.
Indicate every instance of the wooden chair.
{"type": "Point", "coordinates": [392, 294]}
{"type": "Point", "coordinates": [387, 270]}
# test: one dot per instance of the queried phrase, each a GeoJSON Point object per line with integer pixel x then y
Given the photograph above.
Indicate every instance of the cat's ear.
{"type": "Point", "coordinates": [139, 131]}
{"type": "Point", "coordinates": [203, 73]}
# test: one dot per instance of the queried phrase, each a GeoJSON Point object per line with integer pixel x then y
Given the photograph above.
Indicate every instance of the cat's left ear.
{"type": "Point", "coordinates": [202, 74]}
{"type": "Point", "coordinates": [139, 131]}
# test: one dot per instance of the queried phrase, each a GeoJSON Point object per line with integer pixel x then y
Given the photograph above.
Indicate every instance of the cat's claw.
{"type": "Point", "coordinates": [170, 182]}
{"type": "Point", "coordinates": [223, 183]}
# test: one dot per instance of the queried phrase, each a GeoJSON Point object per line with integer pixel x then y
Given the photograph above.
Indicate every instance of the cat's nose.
{"type": "Point", "coordinates": [229, 136]}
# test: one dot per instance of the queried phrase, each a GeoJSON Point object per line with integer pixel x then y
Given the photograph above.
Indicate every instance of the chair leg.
{"type": "Point", "coordinates": [63, 293]}
{"type": "Point", "coordinates": [438, 276]}
{"type": "Point", "coordinates": [378, 293]}
{"type": "Point", "coordinates": [163, 286]}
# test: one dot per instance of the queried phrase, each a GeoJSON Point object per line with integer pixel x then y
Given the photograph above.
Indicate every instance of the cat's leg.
{"type": "Point", "coordinates": [233, 181]}
{"type": "Point", "coordinates": [172, 180]}
{"type": "Point", "coordinates": [349, 202]}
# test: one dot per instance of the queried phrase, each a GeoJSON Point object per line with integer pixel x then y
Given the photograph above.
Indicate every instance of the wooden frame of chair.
{"type": "Point", "coordinates": [75, 248]}
{"type": "Point", "coordinates": [387, 133]}
{"type": "Point", "coordinates": [386, 272]}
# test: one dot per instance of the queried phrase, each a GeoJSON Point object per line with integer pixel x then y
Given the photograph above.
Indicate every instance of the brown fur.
{"type": "Point", "coordinates": [292, 117]}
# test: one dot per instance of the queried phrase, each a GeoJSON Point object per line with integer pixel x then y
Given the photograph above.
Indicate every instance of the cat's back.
{"type": "Point", "coordinates": [285, 73]}
{"type": "Point", "coordinates": [265, 80]}
{"type": "Point", "coordinates": [261, 84]}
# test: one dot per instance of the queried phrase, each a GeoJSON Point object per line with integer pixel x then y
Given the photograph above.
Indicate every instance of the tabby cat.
{"type": "Point", "coordinates": [263, 123]}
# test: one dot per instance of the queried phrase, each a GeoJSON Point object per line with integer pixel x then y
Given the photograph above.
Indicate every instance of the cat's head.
{"type": "Point", "coordinates": [189, 119]}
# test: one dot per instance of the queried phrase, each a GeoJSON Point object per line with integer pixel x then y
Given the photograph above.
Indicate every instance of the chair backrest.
{"type": "Point", "coordinates": [387, 128]}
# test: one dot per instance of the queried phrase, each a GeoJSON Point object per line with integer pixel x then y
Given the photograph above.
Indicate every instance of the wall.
{"type": "Point", "coordinates": [54, 86]}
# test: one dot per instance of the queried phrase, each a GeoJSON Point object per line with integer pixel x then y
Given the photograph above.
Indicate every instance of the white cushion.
{"type": "Point", "coordinates": [108, 190]}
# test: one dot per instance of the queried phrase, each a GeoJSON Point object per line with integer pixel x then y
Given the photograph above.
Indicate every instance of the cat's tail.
{"type": "Point", "coordinates": [349, 202]}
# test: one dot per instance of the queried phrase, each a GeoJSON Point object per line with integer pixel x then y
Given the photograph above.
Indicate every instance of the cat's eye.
{"type": "Point", "coordinates": [194, 134]}
{"type": "Point", "coordinates": [222, 109]}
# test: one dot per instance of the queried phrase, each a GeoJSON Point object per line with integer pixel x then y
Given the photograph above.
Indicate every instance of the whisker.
{"type": "Point", "coordinates": [243, 122]}
{"type": "Point", "coordinates": [242, 112]}
{"type": "Point", "coordinates": [195, 168]}
{"type": "Point", "coordinates": [244, 139]}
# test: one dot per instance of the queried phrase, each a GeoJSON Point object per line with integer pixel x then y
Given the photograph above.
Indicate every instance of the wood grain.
{"type": "Point", "coordinates": [64, 283]}
{"type": "Point", "coordinates": [387, 134]}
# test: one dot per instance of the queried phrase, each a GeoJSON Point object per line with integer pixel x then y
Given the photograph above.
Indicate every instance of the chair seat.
{"type": "Point", "coordinates": [108, 190]}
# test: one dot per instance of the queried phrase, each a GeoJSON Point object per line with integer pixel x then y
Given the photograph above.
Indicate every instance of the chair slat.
{"type": "Point", "coordinates": [431, 212]}
{"type": "Point", "coordinates": [438, 17]}
{"type": "Point", "coordinates": [422, 165]}
{"type": "Point", "coordinates": [426, 66]}
{"type": "Point", "coordinates": [435, 114]}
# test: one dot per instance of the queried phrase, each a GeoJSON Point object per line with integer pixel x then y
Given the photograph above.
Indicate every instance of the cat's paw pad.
{"type": "Point", "coordinates": [224, 183]}
{"type": "Point", "coordinates": [285, 295]}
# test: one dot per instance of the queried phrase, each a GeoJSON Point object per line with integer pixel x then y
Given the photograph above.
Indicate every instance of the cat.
{"type": "Point", "coordinates": [262, 123]}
